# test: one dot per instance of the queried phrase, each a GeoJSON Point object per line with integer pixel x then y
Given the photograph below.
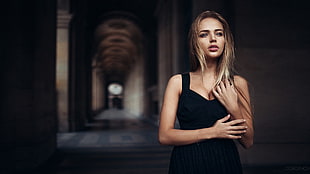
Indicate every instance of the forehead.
{"type": "Point", "coordinates": [210, 24]}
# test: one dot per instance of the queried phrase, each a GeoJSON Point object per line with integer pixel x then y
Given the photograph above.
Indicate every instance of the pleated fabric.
{"type": "Point", "coordinates": [214, 156]}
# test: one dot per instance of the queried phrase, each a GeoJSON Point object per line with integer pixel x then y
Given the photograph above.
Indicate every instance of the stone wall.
{"type": "Point", "coordinates": [273, 44]}
{"type": "Point", "coordinates": [28, 108]}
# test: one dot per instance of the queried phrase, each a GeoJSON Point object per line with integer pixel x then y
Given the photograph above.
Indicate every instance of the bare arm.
{"type": "Point", "coordinates": [245, 111]}
{"type": "Point", "coordinates": [168, 135]}
{"type": "Point", "coordinates": [236, 100]}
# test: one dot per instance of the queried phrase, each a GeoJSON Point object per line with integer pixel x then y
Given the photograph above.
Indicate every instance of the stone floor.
{"type": "Point", "coordinates": [124, 144]}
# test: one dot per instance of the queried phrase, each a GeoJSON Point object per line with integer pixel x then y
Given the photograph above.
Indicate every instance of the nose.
{"type": "Point", "coordinates": [212, 38]}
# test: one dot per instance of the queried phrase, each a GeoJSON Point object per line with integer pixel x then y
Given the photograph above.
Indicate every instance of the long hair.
{"type": "Point", "coordinates": [225, 68]}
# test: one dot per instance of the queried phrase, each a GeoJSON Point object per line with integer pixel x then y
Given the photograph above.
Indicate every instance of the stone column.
{"type": "Point", "coordinates": [173, 17]}
{"type": "Point", "coordinates": [62, 59]}
{"type": "Point", "coordinates": [98, 89]}
{"type": "Point", "coordinates": [164, 47]}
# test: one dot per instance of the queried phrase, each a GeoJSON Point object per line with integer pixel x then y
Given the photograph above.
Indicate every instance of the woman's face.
{"type": "Point", "coordinates": [211, 37]}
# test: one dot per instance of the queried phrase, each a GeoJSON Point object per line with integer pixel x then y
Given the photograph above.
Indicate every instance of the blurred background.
{"type": "Point", "coordinates": [82, 81]}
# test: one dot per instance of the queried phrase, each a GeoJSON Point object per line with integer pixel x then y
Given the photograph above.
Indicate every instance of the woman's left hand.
{"type": "Point", "coordinates": [226, 93]}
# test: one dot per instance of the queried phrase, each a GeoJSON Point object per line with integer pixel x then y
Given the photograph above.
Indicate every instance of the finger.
{"type": "Point", "coordinates": [237, 121]}
{"type": "Point", "coordinates": [226, 118]}
{"type": "Point", "coordinates": [218, 89]}
{"type": "Point", "coordinates": [236, 132]}
{"type": "Point", "coordinates": [238, 127]}
{"type": "Point", "coordinates": [227, 83]}
{"type": "Point", "coordinates": [230, 86]}
{"type": "Point", "coordinates": [234, 136]}
{"type": "Point", "coordinates": [222, 85]}
{"type": "Point", "coordinates": [215, 93]}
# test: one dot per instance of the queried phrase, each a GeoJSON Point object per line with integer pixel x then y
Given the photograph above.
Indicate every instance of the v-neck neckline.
{"type": "Point", "coordinates": [195, 92]}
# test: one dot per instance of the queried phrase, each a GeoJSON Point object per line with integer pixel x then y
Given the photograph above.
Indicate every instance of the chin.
{"type": "Point", "coordinates": [213, 56]}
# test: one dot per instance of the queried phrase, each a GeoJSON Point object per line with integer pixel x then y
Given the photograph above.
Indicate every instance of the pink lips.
{"type": "Point", "coordinates": [213, 48]}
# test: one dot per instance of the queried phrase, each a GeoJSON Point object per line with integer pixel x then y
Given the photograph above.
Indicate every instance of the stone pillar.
{"type": "Point", "coordinates": [63, 19]}
{"type": "Point", "coordinates": [134, 89]}
{"type": "Point", "coordinates": [181, 16]}
{"type": "Point", "coordinates": [79, 69]}
{"type": "Point", "coordinates": [164, 47]}
{"type": "Point", "coordinates": [98, 90]}
{"type": "Point", "coordinates": [173, 24]}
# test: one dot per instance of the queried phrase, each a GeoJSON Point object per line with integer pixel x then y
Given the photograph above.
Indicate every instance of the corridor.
{"type": "Point", "coordinates": [115, 143]}
{"type": "Point", "coordinates": [65, 61]}
{"type": "Point", "coordinates": [120, 143]}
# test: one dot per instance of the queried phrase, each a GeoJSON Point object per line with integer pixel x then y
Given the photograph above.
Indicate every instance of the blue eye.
{"type": "Point", "coordinates": [219, 34]}
{"type": "Point", "coordinates": [203, 35]}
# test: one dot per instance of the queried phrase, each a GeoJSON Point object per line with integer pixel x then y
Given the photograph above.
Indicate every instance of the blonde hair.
{"type": "Point", "coordinates": [225, 68]}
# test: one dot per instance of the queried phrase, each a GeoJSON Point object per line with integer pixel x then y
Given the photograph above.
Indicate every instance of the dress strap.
{"type": "Point", "coordinates": [185, 81]}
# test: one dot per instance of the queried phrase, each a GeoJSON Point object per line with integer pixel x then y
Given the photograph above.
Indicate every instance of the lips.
{"type": "Point", "coordinates": [213, 48]}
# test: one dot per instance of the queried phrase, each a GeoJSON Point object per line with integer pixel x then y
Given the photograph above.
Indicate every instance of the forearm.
{"type": "Point", "coordinates": [247, 138]}
{"type": "Point", "coordinates": [184, 137]}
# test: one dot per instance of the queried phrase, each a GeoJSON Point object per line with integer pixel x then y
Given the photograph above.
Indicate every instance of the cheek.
{"type": "Point", "coordinates": [223, 45]}
{"type": "Point", "coordinates": [203, 45]}
{"type": "Point", "coordinates": [222, 42]}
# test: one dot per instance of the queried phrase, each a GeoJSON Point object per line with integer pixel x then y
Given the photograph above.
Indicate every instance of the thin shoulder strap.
{"type": "Point", "coordinates": [185, 81]}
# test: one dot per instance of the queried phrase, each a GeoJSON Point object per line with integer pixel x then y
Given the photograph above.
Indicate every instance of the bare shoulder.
{"type": "Point", "coordinates": [175, 83]}
{"type": "Point", "coordinates": [240, 82]}
{"type": "Point", "coordinates": [176, 78]}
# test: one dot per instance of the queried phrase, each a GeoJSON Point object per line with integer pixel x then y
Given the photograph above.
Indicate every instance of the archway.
{"type": "Point", "coordinates": [118, 58]}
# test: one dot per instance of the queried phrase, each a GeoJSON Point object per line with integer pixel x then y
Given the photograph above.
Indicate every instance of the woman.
{"type": "Point", "coordinates": [211, 103]}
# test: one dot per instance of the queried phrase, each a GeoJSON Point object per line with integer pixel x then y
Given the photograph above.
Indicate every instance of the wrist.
{"type": "Point", "coordinates": [206, 133]}
{"type": "Point", "coordinates": [234, 110]}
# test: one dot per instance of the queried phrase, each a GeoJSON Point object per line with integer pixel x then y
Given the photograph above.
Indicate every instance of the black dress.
{"type": "Point", "coordinates": [214, 156]}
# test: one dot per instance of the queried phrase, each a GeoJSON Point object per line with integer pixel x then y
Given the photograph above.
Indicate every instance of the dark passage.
{"type": "Point", "coordinates": [118, 145]}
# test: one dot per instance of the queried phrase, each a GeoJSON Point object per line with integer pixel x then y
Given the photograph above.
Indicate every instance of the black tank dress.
{"type": "Point", "coordinates": [214, 156]}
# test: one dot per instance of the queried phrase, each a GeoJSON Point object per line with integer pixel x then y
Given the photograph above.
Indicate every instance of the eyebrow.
{"type": "Point", "coordinates": [209, 30]}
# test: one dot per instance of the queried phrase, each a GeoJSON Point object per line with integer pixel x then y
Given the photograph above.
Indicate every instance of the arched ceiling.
{"type": "Point", "coordinates": [118, 44]}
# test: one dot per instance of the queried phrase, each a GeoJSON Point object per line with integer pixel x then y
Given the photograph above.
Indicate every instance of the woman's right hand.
{"type": "Point", "coordinates": [229, 129]}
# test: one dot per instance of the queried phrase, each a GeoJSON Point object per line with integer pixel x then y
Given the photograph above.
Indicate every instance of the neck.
{"type": "Point", "coordinates": [210, 70]}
